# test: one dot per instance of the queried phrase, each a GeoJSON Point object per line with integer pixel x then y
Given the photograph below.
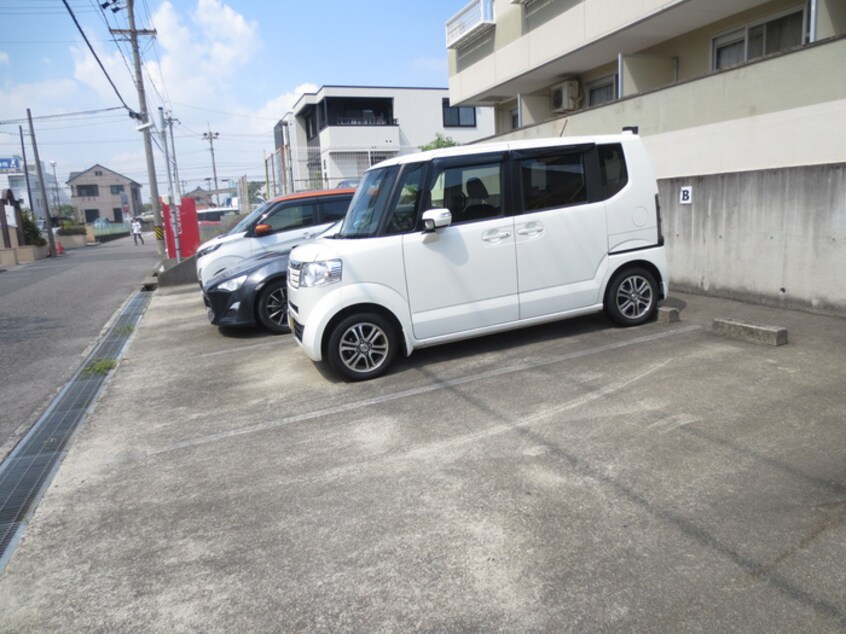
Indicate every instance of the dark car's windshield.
{"type": "Point", "coordinates": [369, 203]}
{"type": "Point", "coordinates": [247, 220]}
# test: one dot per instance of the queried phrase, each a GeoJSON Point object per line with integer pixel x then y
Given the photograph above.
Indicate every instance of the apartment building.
{"type": "Point", "coordinates": [14, 177]}
{"type": "Point", "coordinates": [333, 135]}
{"type": "Point", "coordinates": [99, 192]}
{"type": "Point", "coordinates": [741, 104]}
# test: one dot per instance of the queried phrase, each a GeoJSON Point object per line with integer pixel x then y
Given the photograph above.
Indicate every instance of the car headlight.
{"type": "Point", "coordinates": [321, 273]}
{"type": "Point", "coordinates": [232, 285]}
{"type": "Point", "coordinates": [207, 250]}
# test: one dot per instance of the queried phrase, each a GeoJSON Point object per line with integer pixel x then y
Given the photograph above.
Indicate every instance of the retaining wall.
{"type": "Point", "coordinates": [775, 236]}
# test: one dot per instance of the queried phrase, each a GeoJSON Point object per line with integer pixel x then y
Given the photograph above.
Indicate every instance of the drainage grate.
{"type": "Point", "coordinates": [29, 468]}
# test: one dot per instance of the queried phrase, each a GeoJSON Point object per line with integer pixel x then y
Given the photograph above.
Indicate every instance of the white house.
{"type": "Point", "coordinates": [335, 134]}
{"type": "Point", "coordinates": [13, 177]}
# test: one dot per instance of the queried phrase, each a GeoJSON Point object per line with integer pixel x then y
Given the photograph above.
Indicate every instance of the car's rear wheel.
{"type": "Point", "coordinates": [272, 309]}
{"type": "Point", "coordinates": [632, 297]}
{"type": "Point", "coordinates": [362, 346]}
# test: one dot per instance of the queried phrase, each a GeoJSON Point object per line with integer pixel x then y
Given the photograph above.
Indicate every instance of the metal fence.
{"type": "Point", "coordinates": [111, 230]}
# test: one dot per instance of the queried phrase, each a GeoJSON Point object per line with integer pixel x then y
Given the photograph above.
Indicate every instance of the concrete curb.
{"type": "Point", "coordinates": [754, 333]}
{"type": "Point", "coordinates": [176, 274]}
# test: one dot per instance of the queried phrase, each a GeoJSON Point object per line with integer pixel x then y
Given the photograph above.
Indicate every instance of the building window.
{"type": "Point", "coordinates": [458, 116]}
{"type": "Point", "coordinates": [765, 38]}
{"type": "Point", "coordinates": [602, 90]}
{"type": "Point", "coordinates": [88, 191]}
{"type": "Point", "coordinates": [116, 189]}
{"type": "Point", "coordinates": [515, 118]}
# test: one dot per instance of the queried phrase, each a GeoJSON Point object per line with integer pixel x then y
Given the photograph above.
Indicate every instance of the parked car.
{"type": "Point", "coordinates": [348, 182]}
{"type": "Point", "coordinates": [250, 293]}
{"type": "Point", "coordinates": [278, 225]}
{"type": "Point", "coordinates": [253, 292]}
{"type": "Point", "coordinates": [214, 215]}
{"type": "Point", "coordinates": [467, 241]}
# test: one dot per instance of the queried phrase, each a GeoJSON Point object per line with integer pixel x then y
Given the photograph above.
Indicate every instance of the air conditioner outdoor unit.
{"type": "Point", "coordinates": [566, 96]}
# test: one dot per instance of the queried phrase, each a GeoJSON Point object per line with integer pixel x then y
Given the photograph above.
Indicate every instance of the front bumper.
{"type": "Point", "coordinates": [231, 308]}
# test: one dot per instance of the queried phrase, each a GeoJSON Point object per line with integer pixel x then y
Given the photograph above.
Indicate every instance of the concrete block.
{"type": "Point", "coordinates": [668, 314]}
{"type": "Point", "coordinates": [150, 283]}
{"type": "Point", "coordinates": [176, 274]}
{"type": "Point", "coordinates": [754, 333]}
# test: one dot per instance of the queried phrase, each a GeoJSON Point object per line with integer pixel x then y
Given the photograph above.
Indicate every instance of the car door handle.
{"type": "Point", "coordinates": [495, 236]}
{"type": "Point", "coordinates": [530, 230]}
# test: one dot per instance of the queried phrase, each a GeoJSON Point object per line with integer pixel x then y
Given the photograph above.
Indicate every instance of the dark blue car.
{"type": "Point", "coordinates": [250, 293]}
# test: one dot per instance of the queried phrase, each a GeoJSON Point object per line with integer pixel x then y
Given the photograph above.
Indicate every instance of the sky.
{"type": "Point", "coordinates": [231, 67]}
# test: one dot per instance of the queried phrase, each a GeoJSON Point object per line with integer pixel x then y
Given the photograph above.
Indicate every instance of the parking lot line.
{"type": "Point", "coordinates": [423, 389]}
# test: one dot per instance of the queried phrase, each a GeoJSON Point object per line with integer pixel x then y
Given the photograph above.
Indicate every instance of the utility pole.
{"type": "Point", "coordinates": [146, 124]}
{"type": "Point", "coordinates": [211, 136]}
{"type": "Point", "coordinates": [170, 121]}
{"type": "Point", "coordinates": [26, 170]}
{"type": "Point", "coordinates": [174, 208]}
{"type": "Point", "coordinates": [50, 236]}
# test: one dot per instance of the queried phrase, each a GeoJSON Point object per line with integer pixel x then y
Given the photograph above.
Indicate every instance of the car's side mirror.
{"type": "Point", "coordinates": [262, 230]}
{"type": "Point", "coordinates": [434, 219]}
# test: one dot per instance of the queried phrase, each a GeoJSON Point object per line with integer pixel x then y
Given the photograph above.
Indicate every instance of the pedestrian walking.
{"type": "Point", "coordinates": [136, 231]}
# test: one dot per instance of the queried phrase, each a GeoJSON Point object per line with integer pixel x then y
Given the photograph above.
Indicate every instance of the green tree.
{"type": "Point", "coordinates": [30, 230]}
{"type": "Point", "coordinates": [253, 189]}
{"type": "Point", "coordinates": [67, 212]}
{"type": "Point", "coordinates": [440, 141]}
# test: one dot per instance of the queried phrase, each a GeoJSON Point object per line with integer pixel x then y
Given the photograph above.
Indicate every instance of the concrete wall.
{"type": "Point", "coordinates": [772, 236]}
{"type": "Point", "coordinates": [778, 112]}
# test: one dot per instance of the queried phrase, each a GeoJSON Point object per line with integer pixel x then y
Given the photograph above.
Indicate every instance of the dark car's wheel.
{"type": "Point", "coordinates": [632, 297]}
{"type": "Point", "coordinates": [362, 346]}
{"type": "Point", "coordinates": [272, 309]}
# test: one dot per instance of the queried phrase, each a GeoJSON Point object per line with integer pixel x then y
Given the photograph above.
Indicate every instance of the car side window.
{"type": "Point", "coordinates": [292, 216]}
{"type": "Point", "coordinates": [556, 180]}
{"type": "Point", "coordinates": [470, 192]}
{"type": "Point", "coordinates": [335, 208]}
{"type": "Point", "coordinates": [612, 169]}
{"type": "Point", "coordinates": [402, 216]}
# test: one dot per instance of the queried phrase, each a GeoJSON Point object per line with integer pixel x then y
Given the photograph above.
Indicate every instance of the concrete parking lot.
{"type": "Point", "coordinates": [574, 477]}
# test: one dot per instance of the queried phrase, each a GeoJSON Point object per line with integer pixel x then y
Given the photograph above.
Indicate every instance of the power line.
{"type": "Point", "coordinates": [132, 113]}
{"type": "Point", "coordinates": [62, 115]}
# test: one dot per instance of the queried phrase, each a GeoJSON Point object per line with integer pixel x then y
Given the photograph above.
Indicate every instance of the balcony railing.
{"type": "Point", "coordinates": [473, 21]}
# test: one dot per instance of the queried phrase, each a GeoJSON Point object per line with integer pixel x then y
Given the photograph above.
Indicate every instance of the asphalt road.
{"type": "Point", "coordinates": [573, 477]}
{"type": "Point", "coordinates": [51, 311]}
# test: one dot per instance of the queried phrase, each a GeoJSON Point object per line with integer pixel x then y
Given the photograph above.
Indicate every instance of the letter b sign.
{"type": "Point", "coordinates": [686, 195]}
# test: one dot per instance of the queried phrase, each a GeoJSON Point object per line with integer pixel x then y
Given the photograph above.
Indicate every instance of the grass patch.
{"type": "Point", "coordinates": [126, 330]}
{"type": "Point", "coordinates": [99, 366]}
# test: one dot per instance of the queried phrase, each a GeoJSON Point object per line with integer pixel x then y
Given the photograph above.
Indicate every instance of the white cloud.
{"type": "Point", "coordinates": [88, 73]}
{"type": "Point", "coordinates": [276, 108]}
{"type": "Point", "coordinates": [4, 58]}
{"type": "Point", "coordinates": [199, 59]}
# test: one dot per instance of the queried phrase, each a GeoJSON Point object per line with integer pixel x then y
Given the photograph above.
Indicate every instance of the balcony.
{"type": "Point", "coordinates": [472, 22]}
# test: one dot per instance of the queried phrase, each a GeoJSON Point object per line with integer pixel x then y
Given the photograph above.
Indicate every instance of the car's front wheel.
{"type": "Point", "coordinates": [272, 309]}
{"type": "Point", "coordinates": [632, 297]}
{"type": "Point", "coordinates": [362, 346]}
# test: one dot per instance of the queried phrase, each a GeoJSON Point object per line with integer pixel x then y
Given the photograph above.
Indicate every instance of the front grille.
{"type": "Point", "coordinates": [294, 269]}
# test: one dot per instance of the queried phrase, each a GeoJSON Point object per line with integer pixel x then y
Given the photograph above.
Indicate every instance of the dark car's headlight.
{"type": "Point", "coordinates": [232, 285]}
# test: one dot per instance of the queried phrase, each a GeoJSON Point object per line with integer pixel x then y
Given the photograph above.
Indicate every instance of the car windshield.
{"type": "Point", "coordinates": [368, 204]}
{"type": "Point", "coordinates": [247, 220]}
